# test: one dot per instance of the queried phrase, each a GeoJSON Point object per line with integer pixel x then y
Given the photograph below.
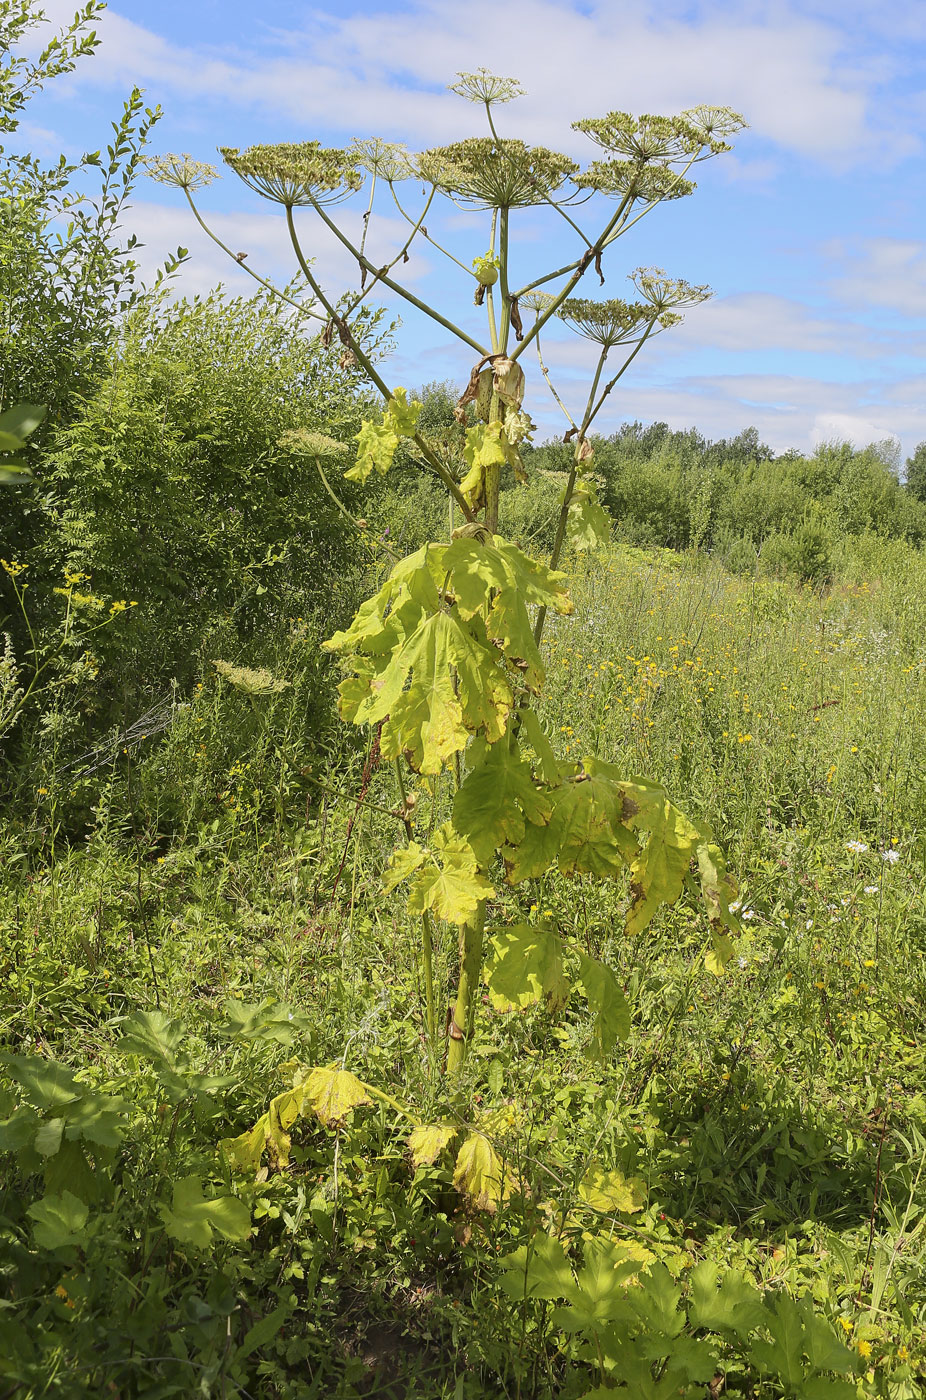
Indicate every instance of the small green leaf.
{"type": "Point", "coordinates": [192, 1219]}
{"type": "Point", "coordinates": [60, 1221]}
{"type": "Point", "coordinates": [607, 1003]}
{"type": "Point", "coordinates": [526, 965]}
{"type": "Point", "coordinates": [264, 1331]}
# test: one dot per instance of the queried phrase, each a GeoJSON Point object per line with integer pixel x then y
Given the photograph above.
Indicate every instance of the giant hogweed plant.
{"type": "Point", "coordinates": [444, 662]}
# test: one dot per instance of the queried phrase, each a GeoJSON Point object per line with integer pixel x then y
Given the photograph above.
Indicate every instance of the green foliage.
{"type": "Point", "coordinates": [649, 1341]}
{"type": "Point", "coordinates": [183, 448]}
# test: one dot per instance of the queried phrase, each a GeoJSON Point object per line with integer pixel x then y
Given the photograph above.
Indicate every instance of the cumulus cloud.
{"type": "Point", "coordinates": [786, 70]}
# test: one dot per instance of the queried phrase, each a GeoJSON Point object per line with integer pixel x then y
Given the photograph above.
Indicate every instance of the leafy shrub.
{"type": "Point", "coordinates": [172, 488]}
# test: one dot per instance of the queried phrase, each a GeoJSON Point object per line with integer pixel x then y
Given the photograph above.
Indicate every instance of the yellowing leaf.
{"type": "Point", "coordinates": [659, 870]}
{"type": "Point", "coordinates": [479, 1173]}
{"type": "Point", "coordinates": [333, 1093]}
{"type": "Point", "coordinates": [427, 1142]}
{"type": "Point", "coordinates": [527, 964]}
{"type": "Point", "coordinates": [719, 953]}
{"type": "Point", "coordinates": [403, 862]}
{"type": "Point", "coordinates": [403, 415]}
{"type": "Point", "coordinates": [611, 1191]}
{"type": "Point", "coordinates": [453, 888]}
{"type": "Point", "coordinates": [376, 446]}
{"type": "Point", "coordinates": [495, 581]}
{"type": "Point", "coordinates": [587, 523]}
{"type": "Point", "coordinates": [245, 1152]}
{"type": "Point", "coordinates": [377, 442]}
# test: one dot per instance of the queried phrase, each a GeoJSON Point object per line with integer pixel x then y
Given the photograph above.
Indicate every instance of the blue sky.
{"type": "Point", "coordinates": [811, 234]}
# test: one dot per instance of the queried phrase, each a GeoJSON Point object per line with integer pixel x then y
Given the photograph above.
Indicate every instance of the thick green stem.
{"type": "Point", "coordinates": [427, 933]}
{"type": "Point", "coordinates": [503, 280]}
{"type": "Point", "coordinates": [464, 1008]}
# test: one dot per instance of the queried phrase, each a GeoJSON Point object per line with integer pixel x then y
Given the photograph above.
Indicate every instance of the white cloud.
{"type": "Point", "coordinates": [387, 69]}
{"type": "Point", "coordinates": [888, 272]}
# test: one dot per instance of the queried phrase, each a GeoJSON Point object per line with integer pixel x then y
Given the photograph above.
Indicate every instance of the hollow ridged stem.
{"type": "Point", "coordinates": [464, 1008]}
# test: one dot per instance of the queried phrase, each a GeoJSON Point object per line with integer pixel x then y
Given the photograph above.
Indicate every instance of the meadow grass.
{"type": "Point", "coordinates": [774, 1117]}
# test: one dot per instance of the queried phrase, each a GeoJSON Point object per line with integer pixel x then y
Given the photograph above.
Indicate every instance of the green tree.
{"type": "Point", "coordinates": [915, 473]}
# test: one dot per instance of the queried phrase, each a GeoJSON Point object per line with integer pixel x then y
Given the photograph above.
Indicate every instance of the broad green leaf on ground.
{"type": "Point", "coordinates": [607, 1003]}
{"type": "Point", "coordinates": [46, 1083]}
{"type": "Point", "coordinates": [538, 1270]}
{"type": "Point", "coordinates": [656, 1303]}
{"type": "Point", "coordinates": [153, 1036]}
{"type": "Point", "coordinates": [479, 1173]}
{"type": "Point", "coordinates": [58, 1221]}
{"type": "Point", "coordinates": [451, 884]}
{"type": "Point", "coordinates": [587, 523]}
{"type": "Point", "coordinates": [192, 1219]}
{"type": "Point", "coordinates": [427, 1142]}
{"type": "Point", "coordinates": [264, 1020]}
{"type": "Point", "coordinates": [19, 1130]}
{"type": "Point", "coordinates": [732, 1307]}
{"type": "Point", "coordinates": [600, 1291]}
{"type": "Point", "coordinates": [495, 799]}
{"type": "Point", "coordinates": [526, 965]}
{"type": "Point", "coordinates": [333, 1093]}
{"type": "Point", "coordinates": [377, 442]}
{"type": "Point", "coordinates": [610, 1191]}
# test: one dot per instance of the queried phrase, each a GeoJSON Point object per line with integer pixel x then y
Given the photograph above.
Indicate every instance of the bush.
{"type": "Point", "coordinates": [171, 489]}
